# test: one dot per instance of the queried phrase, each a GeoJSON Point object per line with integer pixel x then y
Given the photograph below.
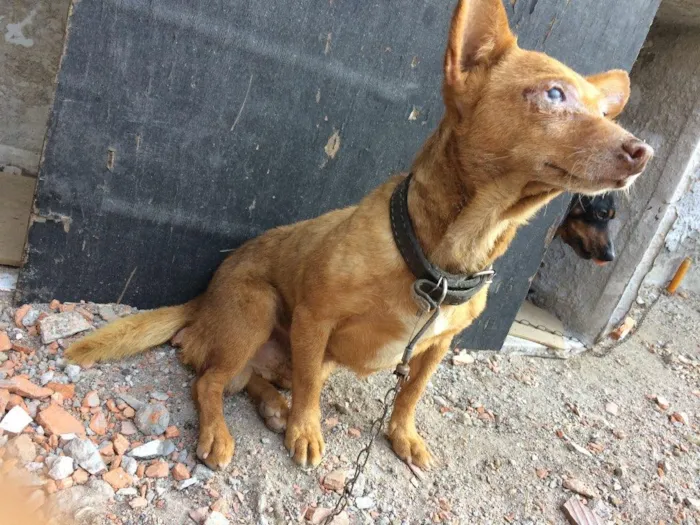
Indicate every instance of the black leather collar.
{"type": "Point", "coordinates": [430, 280]}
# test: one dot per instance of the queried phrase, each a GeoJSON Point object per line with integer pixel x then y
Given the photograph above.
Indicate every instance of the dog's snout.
{"type": "Point", "coordinates": [608, 253]}
{"type": "Point", "coordinates": [635, 154]}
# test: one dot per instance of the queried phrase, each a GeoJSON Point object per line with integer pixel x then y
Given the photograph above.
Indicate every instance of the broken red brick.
{"type": "Point", "coordinates": [24, 387]}
{"type": "Point", "coordinates": [5, 343]}
{"type": "Point", "coordinates": [118, 479]}
{"type": "Point", "coordinates": [55, 420]}
{"type": "Point", "coordinates": [20, 313]}
{"type": "Point", "coordinates": [172, 432]}
{"type": "Point", "coordinates": [121, 444]}
{"type": "Point", "coordinates": [180, 472]}
{"type": "Point", "coordinates": [159, 469]}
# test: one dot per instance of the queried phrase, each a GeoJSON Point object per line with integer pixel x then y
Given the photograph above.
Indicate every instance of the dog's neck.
{"type": "Point", "coordinates": [464, 207]}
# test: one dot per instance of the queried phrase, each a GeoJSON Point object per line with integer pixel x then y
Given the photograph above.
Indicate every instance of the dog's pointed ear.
{"type": "Point", "coordinates": [615, 87]}
{"type": "Point", "coordinates": [479, 35]}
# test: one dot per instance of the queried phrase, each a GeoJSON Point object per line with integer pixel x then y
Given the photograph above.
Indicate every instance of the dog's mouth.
{"type": "Point", "coordinates": [617, 184]}
{"type": "Point", "coordinates": [600, 262]}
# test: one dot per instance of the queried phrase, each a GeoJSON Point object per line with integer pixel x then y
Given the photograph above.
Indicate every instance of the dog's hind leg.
{"type": "Point", "coordinates": [250, 317]}
{"type": "Point", "coordinates": [272, 405]}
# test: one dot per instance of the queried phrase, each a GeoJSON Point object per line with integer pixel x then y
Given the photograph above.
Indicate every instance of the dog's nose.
{"type": "Point", "coordinates": [635, 154]}
{"type": "Point", "coordinates": [608, 253]}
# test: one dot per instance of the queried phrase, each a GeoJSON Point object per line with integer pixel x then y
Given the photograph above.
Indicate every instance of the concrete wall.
{"type": "Point", "coordinates": [664, 110]}
{"type": "Point", "coordinates": [31, 39]}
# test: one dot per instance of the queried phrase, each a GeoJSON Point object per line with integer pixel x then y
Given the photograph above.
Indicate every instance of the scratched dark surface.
{"type": "Point", "coordinates": [218, 115]}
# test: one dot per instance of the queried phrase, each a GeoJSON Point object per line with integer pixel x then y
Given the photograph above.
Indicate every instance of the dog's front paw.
{"type": "Point", "coordinates": [304, 441]}
{"type": "Point", "coordinates": [216, 446]}
{"type": "Point", "coordinates": [410, 447]}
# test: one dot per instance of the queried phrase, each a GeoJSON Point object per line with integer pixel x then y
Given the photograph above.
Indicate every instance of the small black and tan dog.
{"type": "Point", "coordinates": [586, 227]}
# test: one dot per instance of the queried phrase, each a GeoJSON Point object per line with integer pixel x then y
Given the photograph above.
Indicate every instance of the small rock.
{"type": "Point", "coordinates": [118, 478]}
{"type": "Point", "coordinates": [187, 483]}
{"type": "Point", "coordinates": [128, 492]}
{"type": "Point", "coordinates": [579, 487]}
{"type": "Point", "coordinates": [612, 408]}
{"type": "Point", "coordinates": [153, 449]}
{"type": "Point", "coordinates": [67, 391]}
{"type": "Point", "coordinates": [22, 447]}
{"type": "Point", "coordinates": [693, 503]}
{"type": "Point", "coordinates": [129, 465]}
{"type": "Point", "coordinates": [619, 433]}
{"type": "Point", "coordinates": [152, 419]}
{"type": "Point", "coordinates": [20, 313]}
{"type": "Point", "coordinates": [159, 396]}
{"type": "Point", "coordinates": [138, 503]}
{"type": "Point", "coordinates": [107, 313]}
{"type": "Point", "coordinates": [364, 503]}
{"type": "Point", "coordinates": [220, 505]}
{"type": "Point", "coordinates": [680, 417]}
{"type": "Point", "coordinates": [172, 432]}
{"type": "Point", "coordinates": [5, 343]}
{"type": "Point", "coordinates": [203, 473]}
{"type": "Point", "coordinates": [199, 515]}
{"type": "Point", "coordinates": [46, 377]}
{"type": "Point", "coordinates": [623, 329]}
{"type": "Point", "coordinates": [159, 469]}
{"type": "Point", "coordinates": [91, 400]}
{"type": "Point", "coordinates": [73, 372]}
{"type": "Point", "coordinates": [80, 477]}
{"type": "Point", "coordinates": [216, 518]}
{"type": "Point", "coordinates": [131, 401]}
{"type": "Point", "coordinates": [335, 480]}
{"type": "Point", "coordinates": [85, 453]}
{"type": "Point", "coordinates": [55, 420]}
{"type": "Point", "coordinates": [15, 420]}
{"type": "Point", "coordinates": [121, 444]}
{"type": "Point", "coordinates": [98, 424]}
{"type": "Point", "coordinates": [61, 325]}
{"type": "Point", "coordinates": [463, 358]}
{"type": "Point", "coordinates": [180, 472]}
{"type": "Point", "coordinates": [31, 318]}
{"type": "Point", "coordinates": [579, 514]}
{"type": "Point", "coordinates": [61, 468]}
{"type": "Point", "coordinates": [128, 428]}
{"type": "Point", "coordinates": [25, 388]}
{"type": "Point", "coordinates": [439, 400]}
{"type": "Point", "coordinates": [662, 402]}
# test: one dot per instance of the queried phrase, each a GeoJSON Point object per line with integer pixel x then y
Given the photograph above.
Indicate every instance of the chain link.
{"type": "Point", "coordinates": [604, 351]}
{"type": "Point", "coordinates": [363, 456]}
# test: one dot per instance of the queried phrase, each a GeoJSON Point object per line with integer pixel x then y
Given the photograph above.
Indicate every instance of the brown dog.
{"type": "Point", "coordinates": [289, 306]}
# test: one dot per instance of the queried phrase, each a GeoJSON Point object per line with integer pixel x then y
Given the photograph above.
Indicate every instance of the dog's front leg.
{"type": "Point", "coordinates": [402, 433]}
{"type": "Point", "coordinates": [309, 337]}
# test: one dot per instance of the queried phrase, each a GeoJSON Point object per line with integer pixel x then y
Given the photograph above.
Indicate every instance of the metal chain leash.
{"type": "Point", "coordinates": [363, 456]}
{"type": "Point", "coordinates": [427, 303]}
{"type": "Point", "coordinates": [605, 351]}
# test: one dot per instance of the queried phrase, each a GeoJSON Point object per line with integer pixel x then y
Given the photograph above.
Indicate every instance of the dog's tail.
{"type": "Point", "coordinates": [131, 335]}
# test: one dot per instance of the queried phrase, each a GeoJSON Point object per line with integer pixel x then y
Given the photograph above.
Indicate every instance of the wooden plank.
{"type": "Point", "coordinates": [216, 116]}
{"type": "Point", "coordinates": [526, 324]}
{"type": "Point", "coordinates": [16, 196]}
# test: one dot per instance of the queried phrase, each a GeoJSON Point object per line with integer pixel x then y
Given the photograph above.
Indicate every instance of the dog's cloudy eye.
{"type": "Point", "coordinates": [555, 94]}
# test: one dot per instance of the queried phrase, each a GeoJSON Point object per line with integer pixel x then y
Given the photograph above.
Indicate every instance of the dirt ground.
{"type": "Point", "coordinates": [511, 434]}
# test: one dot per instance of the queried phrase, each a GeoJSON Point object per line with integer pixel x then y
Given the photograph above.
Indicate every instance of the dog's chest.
{"type": "Point", "coordinates": [390, 353]}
